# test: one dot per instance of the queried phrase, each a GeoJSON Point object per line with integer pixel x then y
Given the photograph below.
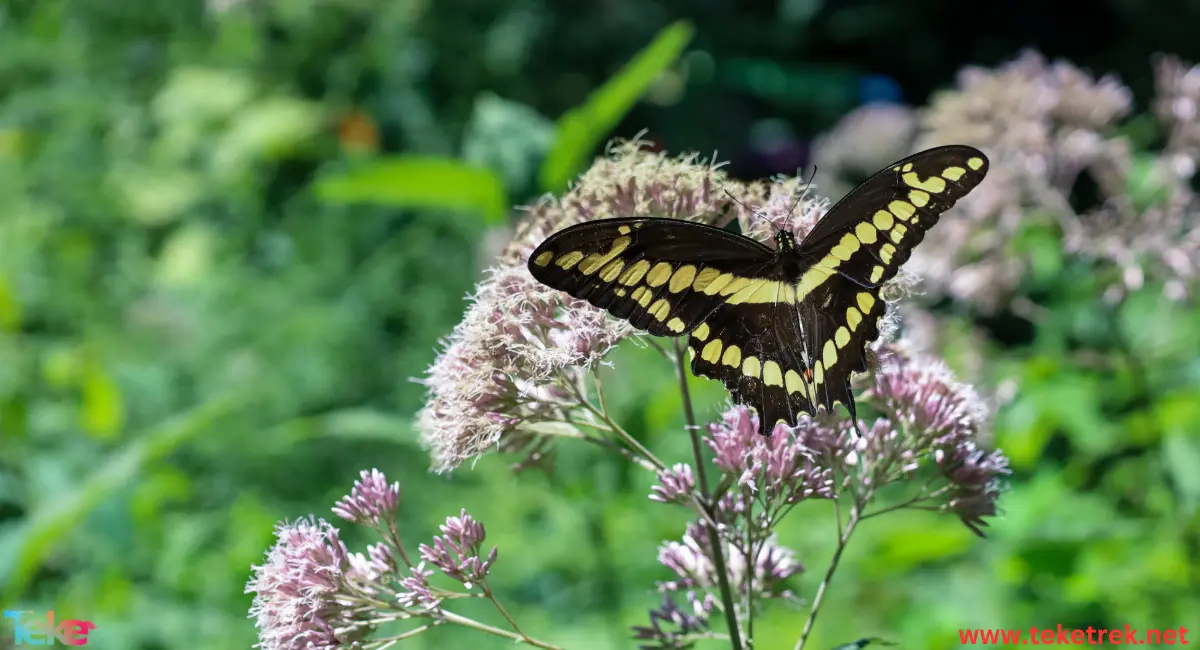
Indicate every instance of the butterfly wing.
{"type": "Point", "coordinates": [861, 244]}
{"type": "Point", "coordinates": [671, 277]}
{"type": "Point", "coordinates": [664, 276]}
{"type": "Point", "coordinates": [755, 349]}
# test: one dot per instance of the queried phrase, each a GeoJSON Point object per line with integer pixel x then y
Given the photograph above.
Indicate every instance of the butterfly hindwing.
{"type": "Point", "coordinates": [755, 349]}
{"type": "Point", "coordinates": [662, 275]}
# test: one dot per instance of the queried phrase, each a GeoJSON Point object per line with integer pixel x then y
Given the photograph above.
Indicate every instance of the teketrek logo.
{"type": "Point", "coordinates": [33, 628]}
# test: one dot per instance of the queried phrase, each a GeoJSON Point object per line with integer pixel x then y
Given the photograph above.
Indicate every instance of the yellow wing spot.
{"type": "Point", "coordinates": [902, 210]}
{"type": "Point", "coordinates": [772, 374]}
{"type": "Point", "coordinates": [866, 233]}
{"type": "Point", "coordinates": [620, 292]}
{"type": "Point", "coordinates": [751, 367]}
{"type": "Point", "coordinates": [691, 354]}
{"type": "Point", "coordinates": [543, 259]}
{"type": "Point", "coordinates": [763, 292]}
{"type": "Point", "coordinates": [907, 167]}
{"type": "Point", "coordinates": [718, 283]}
{"type": "Point", "coordinates": [659, 274]}
{"type": "Point", "coordinates": [829, 354]}
{"type": "Point", "coordinates": [866, 302]}
{"type": "Point", "coordinates": [818, 375]}
{"type": "Point", "coordinates": [841, 337]}
{"type": "Point", "coordinates": [898, 232]}
{"type": "Point", "coordinates": [596, 260]}
{"type": "Point", "coordinates": [883, 220]}
{"type": "Point", "coordinates": [569, 260]}
{"type": "Point", "coordinates": [642, 295]}
{"type": "Point", "coordinates": [853, 318]}
{"type": "Point", "coordinates": [732, 357]}
{"type": "Point", "coordinates": [660, 309]}
{"type": "Point", "coordinates": [850, 242]}
{"type": "Point", "coordinates": [953, 173]}
{"type": "Point", "coordinates": [712, 351]}
{"type": "Point", "coordinates": [610, 272]}
{"type": "Point", "coordinates": [975, 163]}
{"type": "Point", "coordinates": [736, 285]}
{"type": "Point", "coordinates": [682, 278]}
{"type": "Point", "coordinates": [896, 168]}
{"type": "Point", "coordinates": [846, 247]}
{"type": "Point", "coordinates": [918, 198]}
{"type": "Point", "coordinates": [885, 253]}
{"type": "Point", "coordinates": [813, 278]}
{"type": "Point", "coordinates": [876, 273]}
{"type": "Point", "coordinates": [624, 230]}
{"type": "Point", "coordinates": [705, 278]}
{"type": "Point", "coordinates": [701, 333]}
{"type": "Point", "coordinates": [635, 273]}
{"type": "Point", "coordinates": [933, 184]}
{"type": "Point", "coordinates": [791, 379]}
{"type": "Point", "coordinates": [675, 325]}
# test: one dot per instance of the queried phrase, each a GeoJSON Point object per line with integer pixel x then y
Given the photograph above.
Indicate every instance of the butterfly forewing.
{"type": "Point", "coordinates": [662, 275]}
{"type": "Point", "coordinates": [861, 244]}
{"type": "Point", "coordinates": [871, 232]}
{"type": "Point", "coordinates": [785, 345]}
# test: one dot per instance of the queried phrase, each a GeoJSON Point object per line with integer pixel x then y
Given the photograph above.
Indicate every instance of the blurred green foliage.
{"type": "Point", "coordinates": [233, 232]}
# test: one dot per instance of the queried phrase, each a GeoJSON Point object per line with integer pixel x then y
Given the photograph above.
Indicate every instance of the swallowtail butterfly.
{"type": "Point", "coordinates": [784, 329]}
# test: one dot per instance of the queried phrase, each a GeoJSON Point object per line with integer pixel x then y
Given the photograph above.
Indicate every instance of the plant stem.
{"type": "Point", "coordinates": [735, 637]}
{"type": "Point", "coordinates": [487, 592]}
{"type": "Point", "coordinates": [451, 617]}
{"type": "Point", "coordinates": [391, 641]}
{"type": "Point", "coordinates": [612, 425]}
{"type": "Point", "coordinates": [843, 539]}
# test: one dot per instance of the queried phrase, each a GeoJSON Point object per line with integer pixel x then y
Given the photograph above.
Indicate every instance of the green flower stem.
{"type": "Point", "coordinates": [735, 636]}
{"type": "Point", "coordinates": [451, 617]}
{"type": "Point", "coordinates": [487, 593]}
{"type": "Point", "coordinates": [843, 540]}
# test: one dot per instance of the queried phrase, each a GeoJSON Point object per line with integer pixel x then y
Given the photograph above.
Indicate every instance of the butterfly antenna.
{"type": "Point", "coordinates": [737, 201]}
{"type": "Point", "coordinates": [804, 192]}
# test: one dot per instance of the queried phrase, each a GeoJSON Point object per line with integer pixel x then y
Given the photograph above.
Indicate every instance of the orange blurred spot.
{"type": "Point", "coordinates": [357, 131]}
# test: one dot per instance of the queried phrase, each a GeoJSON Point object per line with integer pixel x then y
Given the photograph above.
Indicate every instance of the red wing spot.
{"type": "Point", "coordinates": [808, 374]}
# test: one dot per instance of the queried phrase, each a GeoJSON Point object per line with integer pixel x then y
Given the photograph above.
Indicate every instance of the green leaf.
{"type": "Point", "coordinates": [102, 413]}
{"type": "Point", "coordinates": [419, 182]}
{"type": "Point", "coordinates": [581, 129]}
{"type": "Point", "coordinates": [1146, 184]}
{"type": "Point", "coordinates": [55, 519]}
{"type": "Point", "coordinates": [1181, 454]}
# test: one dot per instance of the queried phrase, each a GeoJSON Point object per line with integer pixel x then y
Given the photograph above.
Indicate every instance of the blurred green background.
{"type": "Point", "coordinates": [231, 234]}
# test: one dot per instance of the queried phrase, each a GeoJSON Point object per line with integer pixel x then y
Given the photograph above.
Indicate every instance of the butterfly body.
{"type": "Point", "coordinates": [785, 328]}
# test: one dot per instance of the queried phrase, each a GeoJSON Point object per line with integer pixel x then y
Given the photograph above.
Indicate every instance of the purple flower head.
{"type": "Point", "coordinates": [882, 455]}
{"type": "Point", "coordinates": [773, 566]}
{"type": "Point", "coordinates": [974, 477]}
{"type": "Point", "coordinates": [301, 591]}
{"type": "Point", "coordinates": [371, 500]}
{"type": "Point", "coordinates": [691, 560]}
{"type": "Point", "coordinates": [780, 465]}
{"type": "Point", "coordinates": [456, 551]}
{"type": "Point", "coordinates": [367, 570]}
{"type": "Point", "coordinates": [671, 625]}
{"type": "Point", "coordinates": [415, 591]}
{"type": "Point", "coordinates": [675, 485]}
{"type": "Point", "coordinates": [921, 394]}
{"type": "Point", "coordinates": [934, 422]}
